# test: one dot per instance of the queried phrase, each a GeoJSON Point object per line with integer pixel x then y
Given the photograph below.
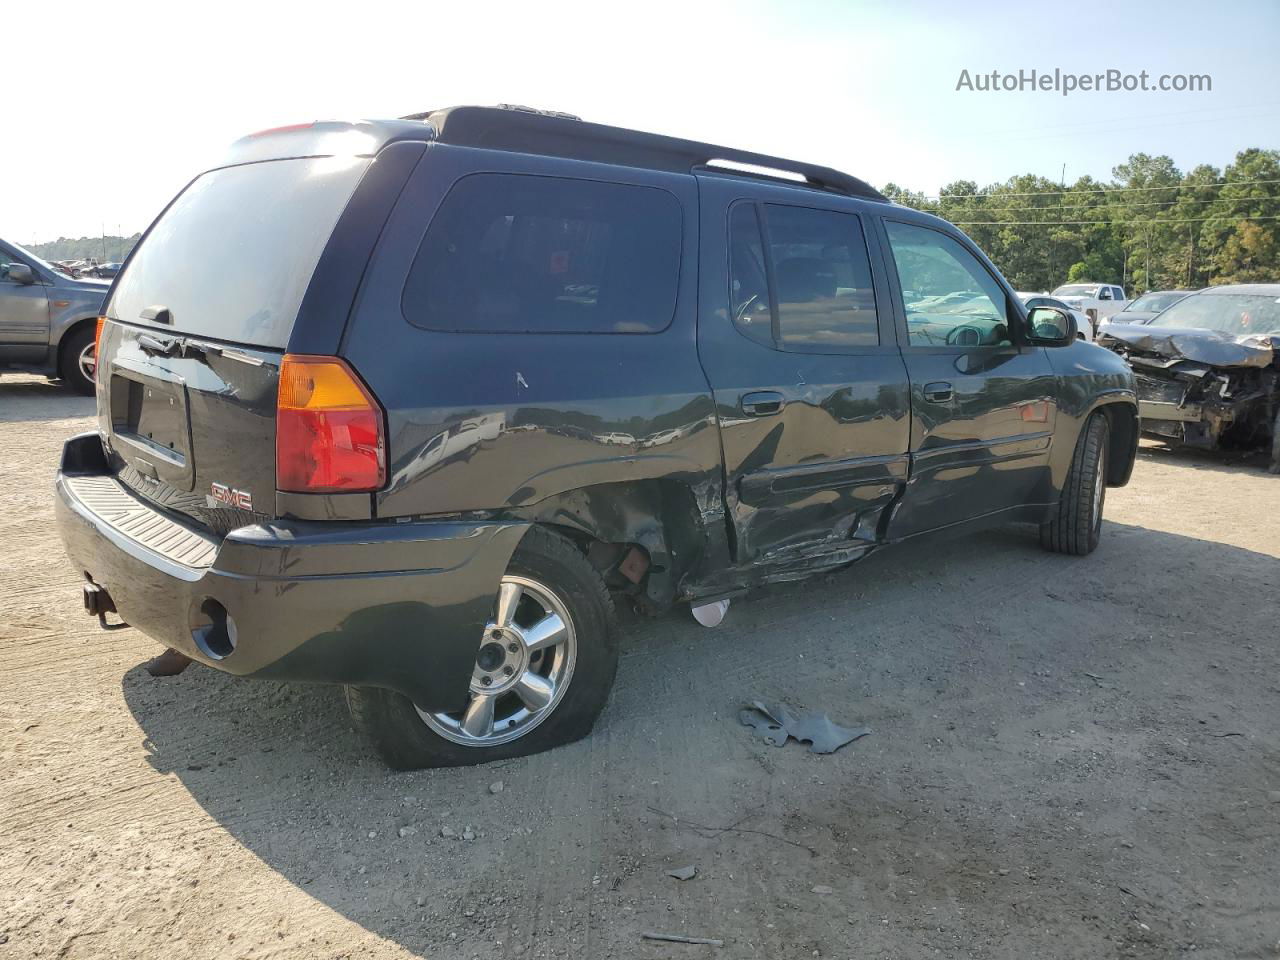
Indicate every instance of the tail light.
{"type": "Point", "coordinates": [330, 436]}
{"type": "Point", "coordinates": [97, 340]}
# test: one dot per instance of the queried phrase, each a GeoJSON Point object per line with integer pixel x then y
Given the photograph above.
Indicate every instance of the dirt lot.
{"type": "Point", "coordinates": [1070, 758]}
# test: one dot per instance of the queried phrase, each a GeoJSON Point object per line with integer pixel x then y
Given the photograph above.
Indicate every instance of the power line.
{"type": "Point", "coordinates": [1104, 223]}
{"type": "Point", "coordinates": [1144, 203]}
{"type": "Point", "coordinates": [1128, 121]}
{"type": "Point", "coordinates": [1060, 192]}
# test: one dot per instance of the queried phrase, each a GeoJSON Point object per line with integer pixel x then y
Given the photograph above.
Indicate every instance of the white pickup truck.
{"type": "Point", "coordinates": [1097, 301]}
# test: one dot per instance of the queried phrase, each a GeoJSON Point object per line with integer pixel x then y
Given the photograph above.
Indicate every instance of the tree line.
{"type": "Point", "coordinates": [1152, 227]}
{"type": "Point", "coordinates": [108, 249]}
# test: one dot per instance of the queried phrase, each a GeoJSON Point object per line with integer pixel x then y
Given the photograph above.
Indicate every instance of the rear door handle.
{"type": "Point", "coordinates": [763, 404]}
{"type": "Point", "coordinates": [937, 392]}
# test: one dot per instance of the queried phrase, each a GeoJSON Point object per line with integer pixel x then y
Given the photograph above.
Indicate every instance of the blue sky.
{"type": "Point", "coordinates": [158, 90]}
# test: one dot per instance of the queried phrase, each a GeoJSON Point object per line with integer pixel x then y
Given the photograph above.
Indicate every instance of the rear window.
{"type": "Point", "coordinates": [511, 253]}
{"type": "Point", "coordinates": [232, 256]}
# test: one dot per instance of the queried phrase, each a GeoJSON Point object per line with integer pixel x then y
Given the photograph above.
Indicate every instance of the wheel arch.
{"type": "Point", "coordinates": [68, 331]}
{"type": "Point", "coordinates": [661, 516]}
{"type": "Point", "coordinates": [1122, 444]}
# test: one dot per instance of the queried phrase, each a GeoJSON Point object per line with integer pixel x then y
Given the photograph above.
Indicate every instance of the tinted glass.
{"type": "Point", "coordinates": [232, 257]}
{"type": "Point", "coordinates": [748, 283]}
{"type": "Point", "coordinates": [1154, 302]}
{"type": "Point", "coordinates": [524, 254]}
{"type": "Point", "coordinates": [823, 278]}
{"type": "Point", "coordinates": [951, 299]}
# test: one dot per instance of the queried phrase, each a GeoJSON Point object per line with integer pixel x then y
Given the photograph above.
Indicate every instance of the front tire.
{"type": "Point", "coordinates": [544, 666]}
{"type": "Point", "coordinates": [1077, 521]}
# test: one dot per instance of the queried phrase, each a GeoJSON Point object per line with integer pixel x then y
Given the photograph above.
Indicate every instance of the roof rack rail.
{"type": "Point", "coordinates": [523, 130]}
{"type": "Point", "coordinates": [517, 107]}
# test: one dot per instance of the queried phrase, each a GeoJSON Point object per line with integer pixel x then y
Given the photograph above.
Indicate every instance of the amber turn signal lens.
{"type": "Point", "coordinates": [97, 339]}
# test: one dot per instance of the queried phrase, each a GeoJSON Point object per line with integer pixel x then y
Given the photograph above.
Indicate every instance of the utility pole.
{"type": "Point", "coordinates": [1191, 252]}
{"type": "Point", "coordinates": [1146, 280]}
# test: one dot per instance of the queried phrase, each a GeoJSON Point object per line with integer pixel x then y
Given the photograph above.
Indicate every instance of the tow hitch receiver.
{"type": "Point", "coordinates": [98, 603]}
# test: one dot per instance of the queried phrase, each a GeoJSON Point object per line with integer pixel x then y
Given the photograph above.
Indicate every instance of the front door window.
{"type": "Point", "coordinates": [950, 299]}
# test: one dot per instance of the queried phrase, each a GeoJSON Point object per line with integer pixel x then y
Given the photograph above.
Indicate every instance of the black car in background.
{"type": "Point", "coordinates": [410, 405]}
{"type": "Point", "coordinates": [103, 271]}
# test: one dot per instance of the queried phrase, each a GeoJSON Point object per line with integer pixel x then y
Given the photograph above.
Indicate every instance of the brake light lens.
{"type": "Point", "coordinates": [287, 128]}
{"type": "Point", "coordinates": [330, 434]}
{"type": "Point", "coordinates": [97, 340]}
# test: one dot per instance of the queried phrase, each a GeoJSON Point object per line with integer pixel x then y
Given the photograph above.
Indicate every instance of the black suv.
{"type": "Point", "coordinates": [409, 405]}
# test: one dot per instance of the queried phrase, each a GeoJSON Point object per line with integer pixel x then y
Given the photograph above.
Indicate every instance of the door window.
{"type": "Point", "coordinates": [950, 298]}
{"type": "Point", "coordinates": [804, 281]}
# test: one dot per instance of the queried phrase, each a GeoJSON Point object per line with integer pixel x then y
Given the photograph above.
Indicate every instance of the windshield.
{"type": "Point", "coordinates": [1077, 290]}
{"type": "Point", "coordinates": [1154, 302]}
{"type": "Point", "coordinates": [232, 256]}
{"type": "Point", "coordinates": [1236, 314]}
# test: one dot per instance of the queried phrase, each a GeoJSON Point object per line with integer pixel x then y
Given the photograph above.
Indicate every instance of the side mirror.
{"type": "Point", "coordinates": [20, 273]}
{"type": "Point", "coordinates": [1051, 327]}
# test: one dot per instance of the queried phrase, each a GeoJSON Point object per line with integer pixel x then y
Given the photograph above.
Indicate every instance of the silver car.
{"type": "Point", "coordinates": [48, 318]}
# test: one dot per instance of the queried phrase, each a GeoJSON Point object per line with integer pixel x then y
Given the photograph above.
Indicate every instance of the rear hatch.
{"type": "Point", "coordinates": [201, 317]}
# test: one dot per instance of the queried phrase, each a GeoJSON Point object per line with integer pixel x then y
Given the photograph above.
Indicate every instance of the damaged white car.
{"type": "Point", "coordinates": [1208, 369]}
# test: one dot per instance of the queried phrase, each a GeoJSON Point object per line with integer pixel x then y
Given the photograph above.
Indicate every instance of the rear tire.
{"type": "Point", "coordinates": [71, 360]}
{"type": "Point", "coordinates": [551, 568]}
{"type": "Point", "coordinates": [1077, 521]}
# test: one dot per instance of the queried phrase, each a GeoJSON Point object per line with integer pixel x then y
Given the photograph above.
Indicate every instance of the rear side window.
{"type": "Point", "coordinates": [511, 253]}
{"type": "Point", "coordinates": [802, 282]}
{"type": "Point", "coordinates": [232, 256]}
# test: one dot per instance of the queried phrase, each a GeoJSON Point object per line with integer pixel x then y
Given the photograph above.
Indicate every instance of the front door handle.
{"type": "Point", "coordinates": [763, 404]}
{"type": "Point", "coordinates": [937, 392]}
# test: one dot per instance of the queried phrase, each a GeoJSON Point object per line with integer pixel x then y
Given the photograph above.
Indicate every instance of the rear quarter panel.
{"type": "Point", "coordinates": [490, 422]}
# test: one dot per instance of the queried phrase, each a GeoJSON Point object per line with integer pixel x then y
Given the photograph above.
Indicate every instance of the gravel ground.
{"type": "Point", "coordinates": [1069, 758]}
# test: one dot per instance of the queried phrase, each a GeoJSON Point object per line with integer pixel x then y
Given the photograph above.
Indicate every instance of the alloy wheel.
{"type": "Point", "coordinates": [87, 362]}
{"type": "Point", "coordinates": [523, 667]}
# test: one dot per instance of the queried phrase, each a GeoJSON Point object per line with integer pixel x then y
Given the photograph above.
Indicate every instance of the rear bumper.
{"type": "Point", "coordinates": [396, 605]}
